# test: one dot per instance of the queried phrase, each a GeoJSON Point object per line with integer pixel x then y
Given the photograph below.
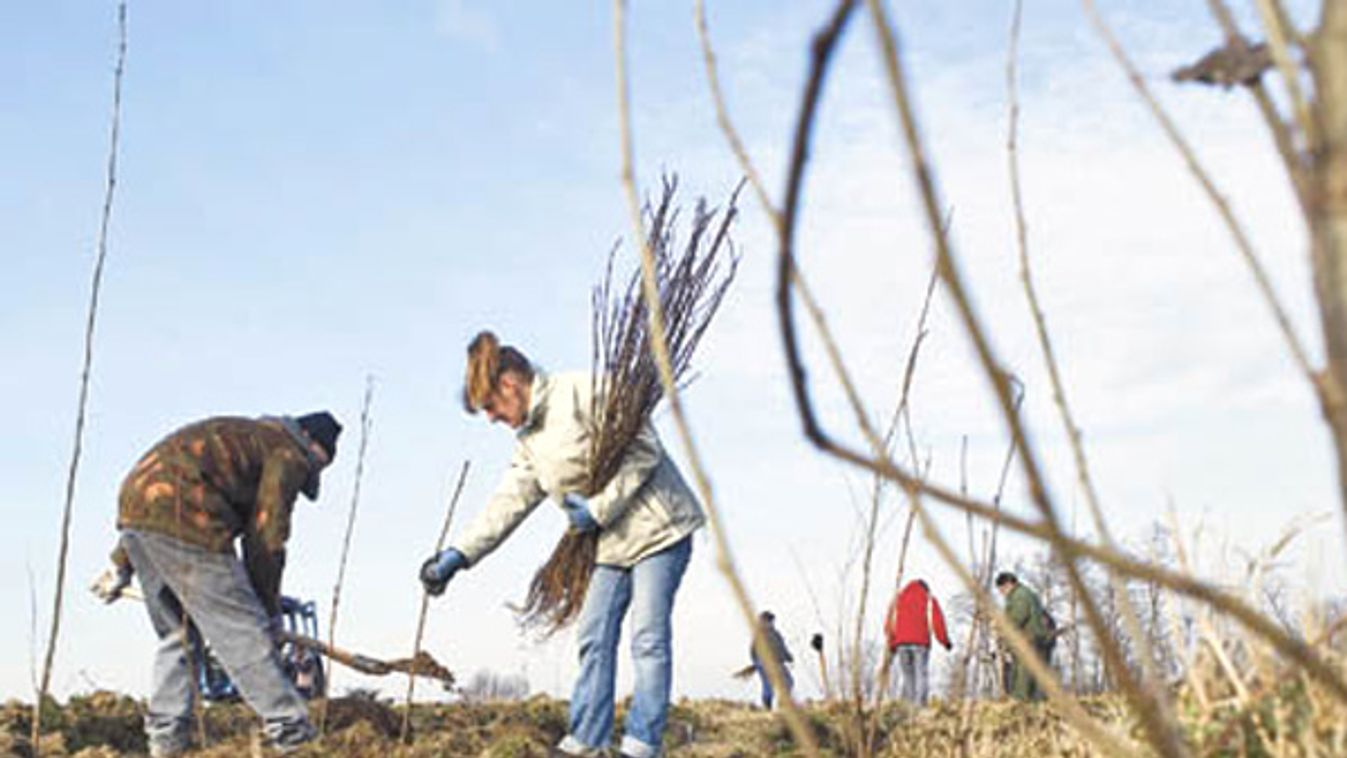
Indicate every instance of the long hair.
{"type": "Point", "coordinates": [487, 361]}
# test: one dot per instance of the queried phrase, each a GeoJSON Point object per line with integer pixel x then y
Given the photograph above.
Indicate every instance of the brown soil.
{"type": "Point", "coordinates": [105, 724]}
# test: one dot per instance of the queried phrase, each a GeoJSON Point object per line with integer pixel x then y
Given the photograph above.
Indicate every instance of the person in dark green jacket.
{"type": "Point", "coordinates": [1026, 612]}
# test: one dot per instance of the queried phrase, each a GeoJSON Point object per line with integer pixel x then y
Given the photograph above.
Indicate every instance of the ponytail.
{"type": "Point", "coordinates": [487, 361]}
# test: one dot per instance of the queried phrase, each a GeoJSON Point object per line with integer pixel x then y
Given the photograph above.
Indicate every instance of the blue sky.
{"type": "Point", "coordinates": [314, 192]}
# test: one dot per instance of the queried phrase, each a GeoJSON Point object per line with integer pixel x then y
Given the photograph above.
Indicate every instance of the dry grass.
{"type": "Point", "coordinates": [1282, 716]}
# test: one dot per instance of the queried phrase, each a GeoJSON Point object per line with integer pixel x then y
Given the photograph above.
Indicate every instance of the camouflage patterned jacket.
{"type": "Point", "coordinates": [212, 481]}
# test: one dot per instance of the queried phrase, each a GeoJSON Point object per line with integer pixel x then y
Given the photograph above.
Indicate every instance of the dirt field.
{"type": "Point", "coordinates": [108, 724]}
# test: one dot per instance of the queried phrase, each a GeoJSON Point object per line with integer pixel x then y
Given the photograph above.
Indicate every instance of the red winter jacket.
{"type": "Point", "coordinates": [908, 622]}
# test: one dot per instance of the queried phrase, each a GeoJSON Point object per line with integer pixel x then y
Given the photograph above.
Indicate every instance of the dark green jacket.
{"type": "Point", "coordinates": [1026, 612]}
{"type": "Point", "coordinates": [219, 479]}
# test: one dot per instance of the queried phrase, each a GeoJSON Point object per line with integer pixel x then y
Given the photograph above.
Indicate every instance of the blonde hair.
{"type": "Point", "coordinates": [487, 361]}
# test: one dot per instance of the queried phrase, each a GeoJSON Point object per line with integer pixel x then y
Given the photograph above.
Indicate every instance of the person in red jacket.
{"type": "Point", "coordinates": [913, 617]}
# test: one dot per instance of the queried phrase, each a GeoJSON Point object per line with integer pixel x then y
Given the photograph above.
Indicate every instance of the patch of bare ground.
{"type": "Point", "coordinates": [105, 724]}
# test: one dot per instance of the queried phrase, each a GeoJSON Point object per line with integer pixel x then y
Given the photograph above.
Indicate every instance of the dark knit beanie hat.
{"type": "Point", "coordinates": [323, 429]}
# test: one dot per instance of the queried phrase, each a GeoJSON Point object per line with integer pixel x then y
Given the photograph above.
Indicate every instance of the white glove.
{"type": "Point", "coordinates": [113, 583]}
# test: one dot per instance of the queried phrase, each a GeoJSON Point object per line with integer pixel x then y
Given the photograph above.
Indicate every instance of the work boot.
{"type": "Point", "coordinates": [292, 737]}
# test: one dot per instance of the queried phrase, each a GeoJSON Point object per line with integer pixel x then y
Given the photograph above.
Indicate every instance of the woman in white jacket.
{"type": "Point", "coordinates": [645, 516]}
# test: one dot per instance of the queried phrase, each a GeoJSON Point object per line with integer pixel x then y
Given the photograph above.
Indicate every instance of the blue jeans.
{"type": "Point", "coordinates": [913, 664]}
{"type": "Point", "coordinates": [648, 588]}
{"type": "Point", "coordinates": [213, 590]}
{"type": "Point", "coordinates": [768, 694]}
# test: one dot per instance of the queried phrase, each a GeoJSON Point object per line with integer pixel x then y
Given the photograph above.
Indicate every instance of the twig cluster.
{"type": "Point", "coordinates": [691, 284]}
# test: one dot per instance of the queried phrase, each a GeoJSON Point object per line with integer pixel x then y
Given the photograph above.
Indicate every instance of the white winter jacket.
{"type": "Point", "coordinates": [643, 509]}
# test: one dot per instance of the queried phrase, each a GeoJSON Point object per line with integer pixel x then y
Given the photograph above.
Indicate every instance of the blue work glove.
{"type": "Point", "coordinates": [439, 569]}
{"type": "Point", "coordinates": [577, 511]}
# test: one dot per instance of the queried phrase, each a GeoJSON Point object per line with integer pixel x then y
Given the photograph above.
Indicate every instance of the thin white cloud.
{"type": "Point", "coordinates": [469, 22]}
{"type": "Point", "coordinates": [1157, 324]}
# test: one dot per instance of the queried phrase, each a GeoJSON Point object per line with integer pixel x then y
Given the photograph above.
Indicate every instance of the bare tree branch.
{"type": "Point", "coordinates": [659, 342]}
{"type": "Point", "coordinates": [723, 115]}
{"type": "Point", "coordinates": [346, 539]}
{"type": "Point", "coordinates": [1328, 217]}
{"type": "Point", "coordinates": [1148, 678]}
{"type": "Point", "coordinates": [1024, 650]}
{"type": "Point", "coordinates": [1251, 258]}
{"type": "Point", "coordinates": [1293, 157]}
{"type": "Point", "coordinates": [1162, 738]}
{"type": "Point", "coordinates": [1274, 22]}
{"type": "Point", "coordinates": [405, 734]}
{"type": "Point", "coordinates": [94, 288]}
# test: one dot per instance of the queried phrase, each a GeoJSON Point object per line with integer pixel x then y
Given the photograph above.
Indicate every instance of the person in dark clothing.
{"type": "Point", "coordinates": [777, 646]}
{"type": "Point", "coordinates": [179, 512]}
{"type": "Point", "coordinates": [1026, 612]}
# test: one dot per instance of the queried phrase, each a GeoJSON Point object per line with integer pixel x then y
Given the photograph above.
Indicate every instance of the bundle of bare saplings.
{"type": "Point", "coordinates": [692, 279]}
